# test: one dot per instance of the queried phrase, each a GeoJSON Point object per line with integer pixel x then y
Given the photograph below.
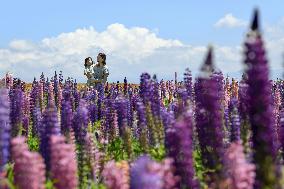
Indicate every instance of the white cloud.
{"type": "Point", "coordinates": [130, 51]}
{"type": "Point", "coordinates": [229, 21]}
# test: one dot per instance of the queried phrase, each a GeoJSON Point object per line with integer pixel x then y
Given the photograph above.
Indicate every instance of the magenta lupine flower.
{"type": "Point", "coordinates": [241, 173]}
{"type": "Point", "coordinates": [26, 104]}
{"type": "Point", "coordinates": [5, 128]}
{"type": "Point", "coordinates": [261, 110]}
{"type": "Point", "coordinates": [29, 168]}
{"type": "Point", "coordinates": [209, 117]}
{"type": "Point", "coordinates": [180, 148]}
{"type": "Point", "coordinates": [63, 163]}
{"type": "Point", "coordinates": [170, 181]}
{"type": "Point", "coordinates": [59, 96]}
{"type": "Point", "coordinates": [115, 177]}
{"type": "Point", "coordinates": [94, 156]}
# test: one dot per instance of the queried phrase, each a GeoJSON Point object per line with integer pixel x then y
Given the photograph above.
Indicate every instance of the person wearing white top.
{"type": "Point", "coordinates": [100, 70]}
{"type": "Point", "coordinates": [89, 71]}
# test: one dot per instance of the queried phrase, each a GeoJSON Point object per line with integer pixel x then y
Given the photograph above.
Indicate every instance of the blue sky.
{"type": "Point", "coordinates": [190, 22]}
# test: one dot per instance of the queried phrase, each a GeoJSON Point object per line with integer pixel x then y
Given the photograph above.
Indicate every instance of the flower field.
{"type": "Point", "coordinates": [205, 132]}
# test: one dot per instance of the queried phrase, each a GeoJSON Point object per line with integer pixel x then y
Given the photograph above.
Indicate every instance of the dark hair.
{"type": "Point", "coordinates": [86, 59]}
{"type": "Point", "coordinates": [103, 55]}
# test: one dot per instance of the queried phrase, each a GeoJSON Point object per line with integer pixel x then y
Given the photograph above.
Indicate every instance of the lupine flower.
{"type": "Point", "coordinates": [94, 156]}
{"type": "Point", "coordinates": [170, 181]}
{"type": "Point", "coordinates": [49, 126]}
{"type": "Point", "coordinates": [36, 121]}
{"type": "Point", "coordinates": [66, 116]}
{"type": "Point", "coordinates": [115, 175]}
{"type": "Point", "coordinates": [80, 122]}
{"type": "Point", "coordinates": [235, 123]}
{"type": "Point", "coordinates": [180, 148]}
{"type": "Point", "coordinates": [145, 87]}
{"type": "Point", "coordinates": [5, 128]}
{"type": "Point", "coordinates": [114, 129]}
{"type": "Point", "coordinates": [281, 131]}
{"type": "Point", "coordinates": [25, 125]}
{"type": "Point", "coordinates": [145, 173]}
{"type": "Point", "coordinates": [240, 172]}
{"type": "Point", "coordinates": [260, 112]}
{"type": "Point", "coordinates": [16, 111]}
{"type": "Point", "coordinates": [187, 77]}
{"type": "Point", "coordinates": [155, 99]}
{"type": "Point", "coordinates": [209, 117]}
{"type": "Point", "coordinates": [29, 168]}
{"type": "Point", "coordinates": [63, 163]}
{"type": "Point", "coordinates": [121, 106]}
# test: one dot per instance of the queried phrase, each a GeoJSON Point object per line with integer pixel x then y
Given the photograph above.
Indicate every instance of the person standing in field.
{"type": "Point", "coordinates": [89, 71]}
{"type": "Point", "coordinates": [100, 70]}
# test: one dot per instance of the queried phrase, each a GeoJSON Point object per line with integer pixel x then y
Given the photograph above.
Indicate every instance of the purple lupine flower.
{"type": "Point", "coordinates": [141, 111]}
{"type": "Point", "coordinates": [25, 125]}
{"type": "Point", "coordinates": [155, 98]}
{"type": "Point", "coordinates": [240, 172]}
{"type": "Point", "coordinates": [5, 128]}
{"type": "Point", "coordinates": [34, 96]}
{"type": "Point", "coordinates": [29, 168]}
{"type": "Point", "coordinates": [163, 89]}
{"type": "Point", "coordinates": [115, 177]}
{"type": "Point", "coordinates": [16, 111]}
{"type": "Point", "coordinates": [260, 111]}
{"type": "Point", "coordinates": [49, 126]}
{"type": "Point", "coordinates": [121, 106]}
{"type": "Point", "coordinates": [209, 117]}
{"type": "Point", "coordinates": [130, 107]}
{"type": "Point", "coordinates": [66, 116]}
{"type": "Point", "coordinates": [145, 173]}
{"type": "Point", "coordinates": [63, 163]}
{"type": "Point", "coordinates": [77, 97]}
{"type": "Point", "coordinates": [93, 112]}
{"type": "Point", "coordinates": [180, 148]}
{"type": "Point", "coordinates": [36, 121]}
{"type": "Point", "coordinates": [235, 123]}
{"type": "Point", "coordinates": [80, 122]}
{"type": "Point", "coordinates": [281, 131]}
{"type": "Point", "coordinates": [55, 89]}
{"type": "Point", "coordinates": [187, 77]}
{"type": "Point", "coordinates": [227, 128]}
{"type": "Point", "coordinates": [145, 87]}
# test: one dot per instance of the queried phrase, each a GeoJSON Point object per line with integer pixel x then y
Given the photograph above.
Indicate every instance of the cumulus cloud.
{"type": "Point", "coordinates": [229, 21]}
{"type": "Point", "coordinates": [130, 51]}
